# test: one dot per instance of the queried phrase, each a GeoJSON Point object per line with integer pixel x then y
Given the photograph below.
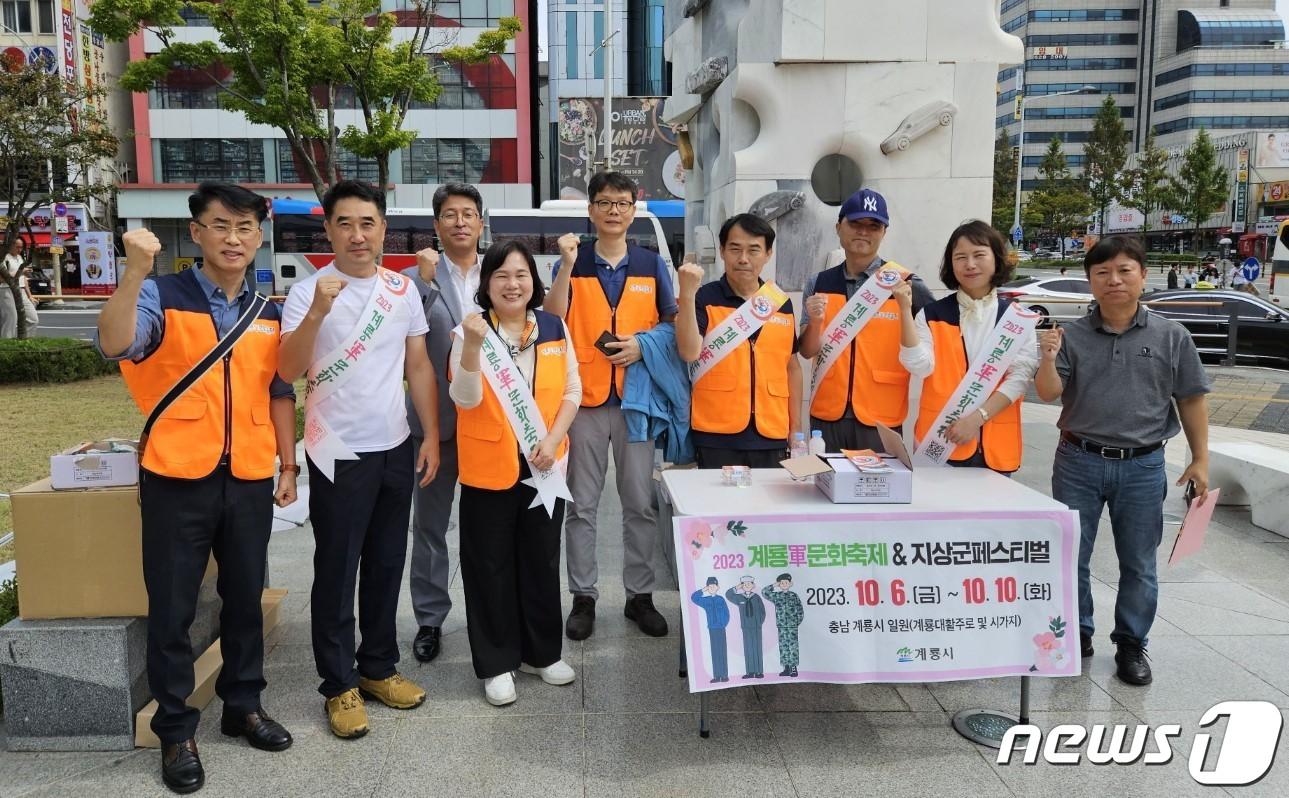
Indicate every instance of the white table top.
{"type": "Point", "coordinates": [696, 491]}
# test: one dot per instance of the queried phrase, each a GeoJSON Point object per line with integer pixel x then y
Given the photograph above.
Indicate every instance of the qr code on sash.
{"type": "Point", "coordinates": [935, 450]}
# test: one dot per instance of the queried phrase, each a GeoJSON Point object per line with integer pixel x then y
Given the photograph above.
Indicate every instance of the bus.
{"type": "Point", "coordinates": [541, 228]}
{"type": "Point", "coordinates": [1280, 264]}
{"type": "Point", "coordinates": [300, 245]}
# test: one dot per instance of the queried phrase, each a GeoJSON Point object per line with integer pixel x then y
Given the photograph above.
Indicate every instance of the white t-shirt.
{"type": "Point", "coordinates": [12, 263]}
{"type": "Point", "coordinates": [368, 411]}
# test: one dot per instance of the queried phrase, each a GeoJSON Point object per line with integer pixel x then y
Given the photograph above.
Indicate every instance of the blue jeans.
{"type": "Point", "coordinates": [1135, 490]}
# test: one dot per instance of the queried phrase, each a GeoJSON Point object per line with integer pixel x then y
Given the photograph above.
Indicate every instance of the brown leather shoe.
{"type": "Point", "coordinates": [181, 768]}
{"type": "Point", "coordinates": [397, 691]}
{"type": "Point", "coordinates": [258, 728]}
{"type": "Point", "coordinates": [347, 714]}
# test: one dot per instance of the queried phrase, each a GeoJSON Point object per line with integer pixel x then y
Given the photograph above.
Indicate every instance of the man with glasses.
{"type": "Point", "coordinates": [206, 476]}
{"type": "Point", "coordinates": [447, 292]}
{"type": "Point", "coordinates": [608, 291]}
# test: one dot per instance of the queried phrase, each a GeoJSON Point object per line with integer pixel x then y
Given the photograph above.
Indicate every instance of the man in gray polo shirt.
{"type": "Point", "coordinates": [1118, 378]}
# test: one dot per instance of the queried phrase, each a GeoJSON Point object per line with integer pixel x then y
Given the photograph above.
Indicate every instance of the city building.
{"type": "Point", "coordinates": [1174, 65]}
{"type": "Point", "coordinates": [53, 35]}
{"type": "Point", "coordinates": [480, 130]}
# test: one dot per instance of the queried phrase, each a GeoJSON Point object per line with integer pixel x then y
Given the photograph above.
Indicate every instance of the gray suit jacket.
{"type": "Point", "coordinates": [442, 313]}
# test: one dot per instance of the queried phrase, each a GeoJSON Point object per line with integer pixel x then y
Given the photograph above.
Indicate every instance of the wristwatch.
{"type": "Point", "coordinates": [984, 416]}
{"type": "Point", "coordinates": [293, 468]}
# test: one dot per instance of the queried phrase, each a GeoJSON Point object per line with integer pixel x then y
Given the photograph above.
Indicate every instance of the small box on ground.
{"type": "Point", "coordinates": [99, 464]}
{"type": "Point", "coordinates": [79, 553]}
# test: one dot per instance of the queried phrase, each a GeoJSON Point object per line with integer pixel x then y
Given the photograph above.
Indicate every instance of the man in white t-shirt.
{"type": "Point", "coordinates": [10, 266]}
{"type": "Point", "coordinates": [357, 330]}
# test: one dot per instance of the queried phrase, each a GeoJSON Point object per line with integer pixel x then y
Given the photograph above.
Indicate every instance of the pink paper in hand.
{"type": "Point", "coordinates": [1194, 527]}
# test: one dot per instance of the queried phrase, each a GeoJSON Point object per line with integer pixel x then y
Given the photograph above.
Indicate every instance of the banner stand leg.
{"type": "Point", "coordinates": [988, 726]}
{"type": "Point", "coordinates": [703, 730]}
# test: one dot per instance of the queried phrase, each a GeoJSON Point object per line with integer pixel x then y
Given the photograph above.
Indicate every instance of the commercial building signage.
{"type": "Point", "coordinates": [644, 147]}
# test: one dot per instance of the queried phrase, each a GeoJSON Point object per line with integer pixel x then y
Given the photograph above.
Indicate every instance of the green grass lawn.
{"type": "Point", "coordinates": [40, 420]}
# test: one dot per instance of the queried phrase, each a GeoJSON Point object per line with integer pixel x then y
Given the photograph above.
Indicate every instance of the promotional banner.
{"type": "Point", "coordinates": [1273, 149]}
{"type": "Point", "coordinates": [98, 262]}
{"type": "Point", "coordinates": [878, 597]}
{"type": "Point", "coordinates": [644, 147]}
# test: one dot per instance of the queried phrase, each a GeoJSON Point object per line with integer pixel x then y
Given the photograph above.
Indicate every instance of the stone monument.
{"type": "Point", "coordinates": [791, 105]}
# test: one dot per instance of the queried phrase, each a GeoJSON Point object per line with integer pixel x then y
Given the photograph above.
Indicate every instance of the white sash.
{"type": "Point", "coordinates": [330, 372]}
{"type": "Point", "coordinates": [853, 316]}
{"type": "Point", "coordinates": [987, 369]}
{"type": "Point", "coordinates": [525, 418]}
{"type": "Point", "coordinates": [736, 329]}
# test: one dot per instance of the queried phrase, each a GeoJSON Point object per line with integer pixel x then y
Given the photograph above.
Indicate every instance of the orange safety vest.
{"type": "Point", "coordinates": [487, 449]}
{"type": "Point", "coordinates": [224, 412]}
{"type": "Point", "coordinates": [868, 375]}
{"type": "Point", "coordinates": [751, 381]}
{"type": "Point", "coordinates": [1001, 434]}
{"type": "Point", "coordinates": [589, 315]}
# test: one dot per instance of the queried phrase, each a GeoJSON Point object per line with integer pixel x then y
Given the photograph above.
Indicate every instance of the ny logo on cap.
{"type": "Point", "coordinates": [870, 204]}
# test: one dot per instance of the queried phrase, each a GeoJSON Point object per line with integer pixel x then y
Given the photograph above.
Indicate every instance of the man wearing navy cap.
{"type": "Point", "coordinates": [863, 383]}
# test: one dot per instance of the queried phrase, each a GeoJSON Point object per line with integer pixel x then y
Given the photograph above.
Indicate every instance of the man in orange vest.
{"type": "Point", "coordinates": [206, 476]}
{"type": "Point", "coordinates": [607, 291]}
{"type": "Point", "coordinates": [865, 385]}
{"type": "Point", "coordinates": [747, 399]}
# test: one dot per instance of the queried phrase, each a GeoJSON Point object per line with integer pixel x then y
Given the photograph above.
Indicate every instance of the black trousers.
{"type": "Point", "coordinates": [360, 534]}
{"type": "Point", "coordinates": [510, 572]}
{"type": "Point", "coordinates": [183, 522]}
{"type": "Point", "coordinates": [709, 457]}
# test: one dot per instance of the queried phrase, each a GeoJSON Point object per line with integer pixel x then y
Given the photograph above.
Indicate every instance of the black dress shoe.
{"type": "Point", "coordinates": [181, 768]}
{"type": "Point", "coordinates": [259, 729]}
{"type": "Point", "coordinates": [427, 644]}
{"type": "Point", "coordinates": [581, 619]}
{"type": "Point", "coordinates": [792, 671]}
{"type": "Point", "coordinates": [641, 610]}
{"type": "Point", "coordinates": [1085, 644]}
{"type": "Point", "coordinates": [1131, 659]}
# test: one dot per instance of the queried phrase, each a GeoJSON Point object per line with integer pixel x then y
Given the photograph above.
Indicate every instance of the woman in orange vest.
{"type": "Point", "coordinates": [950, 330]}
{"type": "Point", "coordinates": [509, 550]}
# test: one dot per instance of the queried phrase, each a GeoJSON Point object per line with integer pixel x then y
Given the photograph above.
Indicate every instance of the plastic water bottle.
{"type": "Point", "coordinates": [817, 442]}
{"type": "Point", "coordinates": [799, 446]}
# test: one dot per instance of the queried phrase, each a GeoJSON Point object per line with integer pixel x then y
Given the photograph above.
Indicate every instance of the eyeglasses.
{"type": "Point", "coordinates": [621, 205]}
{"type": "Point", "coordinates": [221, 229]}
{"type": "Point", "coordinates": [451, 217]}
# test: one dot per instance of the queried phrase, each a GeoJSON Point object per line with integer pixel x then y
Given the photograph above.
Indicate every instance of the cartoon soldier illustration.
{"type": "Point", "coordinates": [751, 611]}
{"type": "Point", "coordinates": [718, 617]}
{"type": "Point", "coordinates": [788, 614]}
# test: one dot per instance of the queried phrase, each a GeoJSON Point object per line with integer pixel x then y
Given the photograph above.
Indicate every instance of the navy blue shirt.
{"type": "Point", "coordinates": [150, 324]}
{"type": "Point", "coordinates": [720, 294]}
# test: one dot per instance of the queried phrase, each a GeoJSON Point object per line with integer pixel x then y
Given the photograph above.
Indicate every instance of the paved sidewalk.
{"type": "Point", "coordinates": [627, 727]}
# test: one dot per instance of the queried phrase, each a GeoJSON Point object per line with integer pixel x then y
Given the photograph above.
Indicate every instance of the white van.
{"type": "Point", "coordinates": [541, 228]}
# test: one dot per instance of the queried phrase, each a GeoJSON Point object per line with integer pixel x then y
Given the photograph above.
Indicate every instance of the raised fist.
{"type": "Point", "coordinates": [816, 307]}
{"type": "Point", "coordinates": [1049, 342]}
{"type": "Point", "coordinates": [568, 244]}
{"type": "Point", "coordinates": [691, 276]}
{"type": "Point", "coordinates": [325, 292]}
{"type": "Point", "coordinates": [141, 248]}
{"type": "Point", "coordinates": [903, 293]}
{"type": "Point", "coordinates": [475, 329]}
{"type": "Point", "coordinates": [427, 263]}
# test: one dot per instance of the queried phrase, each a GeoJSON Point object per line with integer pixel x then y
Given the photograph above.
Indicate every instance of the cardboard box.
{"type": "Point", "coordinates": [79, 553]}
{"type": "Point", "coordinates": [95, 465]}
{"type": "Point", "coordinates": [205, 672]}
{"type": "Point", "coordinates": [843, 483]}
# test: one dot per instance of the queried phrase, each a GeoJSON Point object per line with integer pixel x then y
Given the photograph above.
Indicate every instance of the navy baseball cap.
{"type": "Point", "coordinates": [865, 204]}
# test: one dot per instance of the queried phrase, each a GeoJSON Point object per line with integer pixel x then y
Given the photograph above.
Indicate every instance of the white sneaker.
{"type": "Point", "coordinates": [500, 690]}
{"type": "Point", "coordinates": [557, 674]}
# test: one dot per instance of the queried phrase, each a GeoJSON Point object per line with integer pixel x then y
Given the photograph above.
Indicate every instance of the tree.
{"type": "Point", "coordinates": [1146, 184]}
{"type": "Point", "coordinates": [1004, 208]}
{"type": "Point", "coordinates": [288, 62]}
{"type": "Point", "coordinates": [1060, 200]}
{"type": "Point", "coordinates": [45, 129]}
{"type": "Point", "coordinates": [1104, 157]}
{"type": "Point", "coordinates": [1200, 188]}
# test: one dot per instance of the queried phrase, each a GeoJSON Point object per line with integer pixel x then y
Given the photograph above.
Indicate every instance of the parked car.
{"type": "Point", "coordinates": [1038, 293]}
{"type": "Point", "coordinates": [40, 285]}
{"type": "Point", "coordinates": [1263, 337]}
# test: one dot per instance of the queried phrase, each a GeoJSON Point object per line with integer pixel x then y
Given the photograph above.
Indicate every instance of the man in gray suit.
{"type": "Point", "coordinates": [751, 617]}
{"type": "Point", "coordinates": [447, 285]}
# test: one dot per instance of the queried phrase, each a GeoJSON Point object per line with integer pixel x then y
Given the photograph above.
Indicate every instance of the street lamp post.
{"type": "Point", "coordinates": [1020, 148]}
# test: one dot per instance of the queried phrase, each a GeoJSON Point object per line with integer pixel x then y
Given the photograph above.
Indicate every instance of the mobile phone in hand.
{"type": "Point", "coordinates": [1188, 495]}
{"type": "Point", "coordinates": [607, 337]}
